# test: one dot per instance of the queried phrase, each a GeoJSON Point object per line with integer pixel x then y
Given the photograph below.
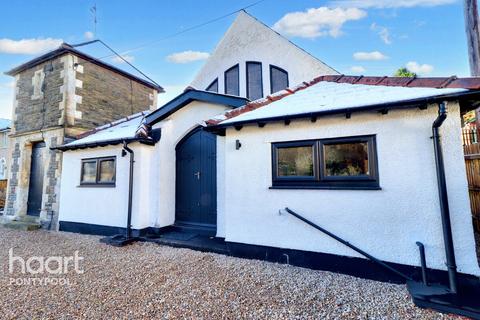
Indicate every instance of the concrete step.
{"type": "Point", "coordinates": [22, 225]}
{"type": "Point", "coordinates": [31, 219]}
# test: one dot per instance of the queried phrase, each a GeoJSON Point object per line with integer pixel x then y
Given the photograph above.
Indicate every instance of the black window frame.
{"type": "Point", "coordinates": [271, 78]}
{"type": "Point", "coordinates": [237, 66]}
{"type": "Point", "coordinates": [97, 162]}
{"type": "Point", "coordinates": [214, 82]}
{"type": "Point", "coordinates": [320, 181]}
{"type": "Point", "coordinates": [247, 63]}
{"type": "Point", "coordinates": [292, 144]}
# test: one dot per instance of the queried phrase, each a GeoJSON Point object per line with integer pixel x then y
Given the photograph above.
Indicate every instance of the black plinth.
{"type": "Point", "coordinates": [466, 302]}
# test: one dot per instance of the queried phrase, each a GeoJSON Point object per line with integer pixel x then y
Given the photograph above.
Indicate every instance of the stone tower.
{"type": "Point", "coordinates": [58, 96]}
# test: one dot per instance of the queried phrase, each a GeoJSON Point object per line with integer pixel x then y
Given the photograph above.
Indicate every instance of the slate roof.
{"type": "Point", "coordinates": [131, 128]}
{"type": "Point", "coordinates": [189, 95]}
{"type": "Point", "coordinates": [343, 94]}
{"type": "Point", "coordinates": [66, 48]}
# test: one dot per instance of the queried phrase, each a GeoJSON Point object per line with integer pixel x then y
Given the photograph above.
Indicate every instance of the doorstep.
{"type": "Point", "coordinates": [25, 223]}
{"type": "Point", "coordinates": [189, 240]}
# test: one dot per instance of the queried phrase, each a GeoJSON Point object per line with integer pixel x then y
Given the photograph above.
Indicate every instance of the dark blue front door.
{"type": "Point", "coordinates": [196, 180]}
{"type": "Point", "coordinates": [35, 189]}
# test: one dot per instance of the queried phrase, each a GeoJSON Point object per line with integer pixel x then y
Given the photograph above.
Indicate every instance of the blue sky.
{"type": "Point", "coordinates": [371, 37]}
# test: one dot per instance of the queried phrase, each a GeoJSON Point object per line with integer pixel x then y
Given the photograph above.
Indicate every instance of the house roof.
{"type": "Point", "coordinates": [190, 95]}
{"type": "Point", "coordinates": [131, 128]}
{"type": "Point", "coordinates": [137, 126]}
{"type": "Point", "coordinates": [344, 94]}
{"type": "Point", "coordinates": [5, 124]}
{"type": "Point", "coordinates": [66, 48]}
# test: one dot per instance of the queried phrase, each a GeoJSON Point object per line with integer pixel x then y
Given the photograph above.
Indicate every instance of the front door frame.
{"type": "Point", "coordinates": [38, 175]}
{"type": "Point", "coordinates": [201, 227]}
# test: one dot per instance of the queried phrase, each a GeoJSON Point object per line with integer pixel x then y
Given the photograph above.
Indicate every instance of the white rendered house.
{"type": "Point", "coordinates": [354, 156]}
{"type": "Point", "coordinates": [255, 135]}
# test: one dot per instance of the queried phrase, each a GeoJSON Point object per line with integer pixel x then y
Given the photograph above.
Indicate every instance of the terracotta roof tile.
{"type": "Point", "coordinates": [439, 83]}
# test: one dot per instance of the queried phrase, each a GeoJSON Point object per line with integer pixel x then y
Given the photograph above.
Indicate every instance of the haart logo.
{"type": "Point", "coordinates": [38, 265]}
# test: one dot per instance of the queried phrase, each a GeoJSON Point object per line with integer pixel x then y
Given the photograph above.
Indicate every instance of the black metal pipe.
{"type": "Point", "coordinates": [348, 244]}
{"type": "Point", "coordinates": [443, 197]}
{"type": "Point", "coordinates": [130, 189]}
{"type": "Point", "coordinates": [423, 262]}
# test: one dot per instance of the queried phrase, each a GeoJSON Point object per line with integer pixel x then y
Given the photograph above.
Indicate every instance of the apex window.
{"type": "Point", "coordinates": [254, 80]}
{"type": "Point", "coordinates": [213, 87]}
{"type": "Point", "coordinates": [232, 81]}
{"type": "Point", "coordinates": [278, 79]}
{"type": "Point", "coordinates": [98, 172]}
{"type": "Point", "coordinates": [340, 163]}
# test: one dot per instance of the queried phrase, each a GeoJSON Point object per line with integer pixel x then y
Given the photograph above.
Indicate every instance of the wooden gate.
{"type": "Point", "coordinates": [471, 149]}
{"type": "Point", "coordinates": [3, 193]}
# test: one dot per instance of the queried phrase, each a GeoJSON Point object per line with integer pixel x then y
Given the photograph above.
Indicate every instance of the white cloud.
{"type": "Point", "coordinates": [383, 32]}
{"type": "Point", "coordinates": [357, 69]}
{"type": "Point", "coordinates": [28, 46]}
{"type": "Point", "coordinates": [390, 3]}
{"type": "Point", "coordinates": [420, 69]}
{"type": "Point", "coordinates": [317, 22]}
{"type": "Point", "coordinates": [369, 56]}
{"type": "Point", "coordinates": [188, 56]}
{"type": "Point", "coordinates": [127, 57]}
{"type": "Point", "coordinates": [89, 35]}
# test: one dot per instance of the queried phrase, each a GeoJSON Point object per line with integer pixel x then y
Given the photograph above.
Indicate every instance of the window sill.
{"type": "Point", "coordinates": [318, 187]}
{"type": "Point", "coordinates": [96, 186]}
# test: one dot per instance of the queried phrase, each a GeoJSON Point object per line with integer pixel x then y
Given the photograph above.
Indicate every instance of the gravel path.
{"type": "Point", "coordinates": [146, 280]}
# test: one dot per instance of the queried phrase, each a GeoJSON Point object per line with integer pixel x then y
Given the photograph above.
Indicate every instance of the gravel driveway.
{"type": "Point", "coordinates": [146, 280]}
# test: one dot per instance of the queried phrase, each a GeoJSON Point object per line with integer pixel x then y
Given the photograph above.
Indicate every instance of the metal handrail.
{"type": "Point", "coordinates": [348, 244]}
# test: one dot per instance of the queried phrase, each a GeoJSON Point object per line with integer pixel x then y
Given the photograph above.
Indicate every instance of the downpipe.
{"type": "Point", "coordinates": [130, 187]}
{"type": "Point", "coordinates": [443, 198]}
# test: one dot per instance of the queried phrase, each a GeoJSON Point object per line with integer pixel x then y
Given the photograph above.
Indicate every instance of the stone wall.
{"type": "Point", "coordinates": [52, 181]}
{"type": "Point", "coordinates": [37, 110]}
{"type": "Point", "coordinates": [107, 96]}
{"type": "Point", "coordinates": [4, 154]}
{"type": "Point", "coordinates": [13, 180]}
{"type": "Point", "coordinates": [19, 175]}
{"type": "Point", "coordinates": [61, 93]}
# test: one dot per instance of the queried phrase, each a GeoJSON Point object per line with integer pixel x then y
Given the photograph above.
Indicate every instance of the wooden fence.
{"type": "Point", "coordinates": [3, 193]}
{"type": "Point", "coordinates": [471, 150]}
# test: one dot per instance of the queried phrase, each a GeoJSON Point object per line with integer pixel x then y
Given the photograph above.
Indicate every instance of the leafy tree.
{"type": "Point", "coordinates": [404, 72]}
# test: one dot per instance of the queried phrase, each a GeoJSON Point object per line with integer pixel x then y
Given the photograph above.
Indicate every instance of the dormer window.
{"type": "Point", "coordinates": [37, 83]}
{"type": "Point", "coordinates": [278, 79]}
{"type": "Point", "coordinates": [254, 80]}
{"type": "Point", "coordinates": [213, 87]}
{"type": "Point", "coordinates": [232, 81]}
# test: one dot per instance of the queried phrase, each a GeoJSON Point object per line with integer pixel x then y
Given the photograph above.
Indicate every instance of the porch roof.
{"type": "Point", "coordinates": [131, 128]}
{"type": "Point", "coordinates": [190, 95]}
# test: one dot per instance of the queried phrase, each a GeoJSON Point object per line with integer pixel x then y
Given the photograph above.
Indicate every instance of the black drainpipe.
{"type": "Point", "coordinates": [130, 188]}
{"type": "Point", "coordinates": [442, 194]}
